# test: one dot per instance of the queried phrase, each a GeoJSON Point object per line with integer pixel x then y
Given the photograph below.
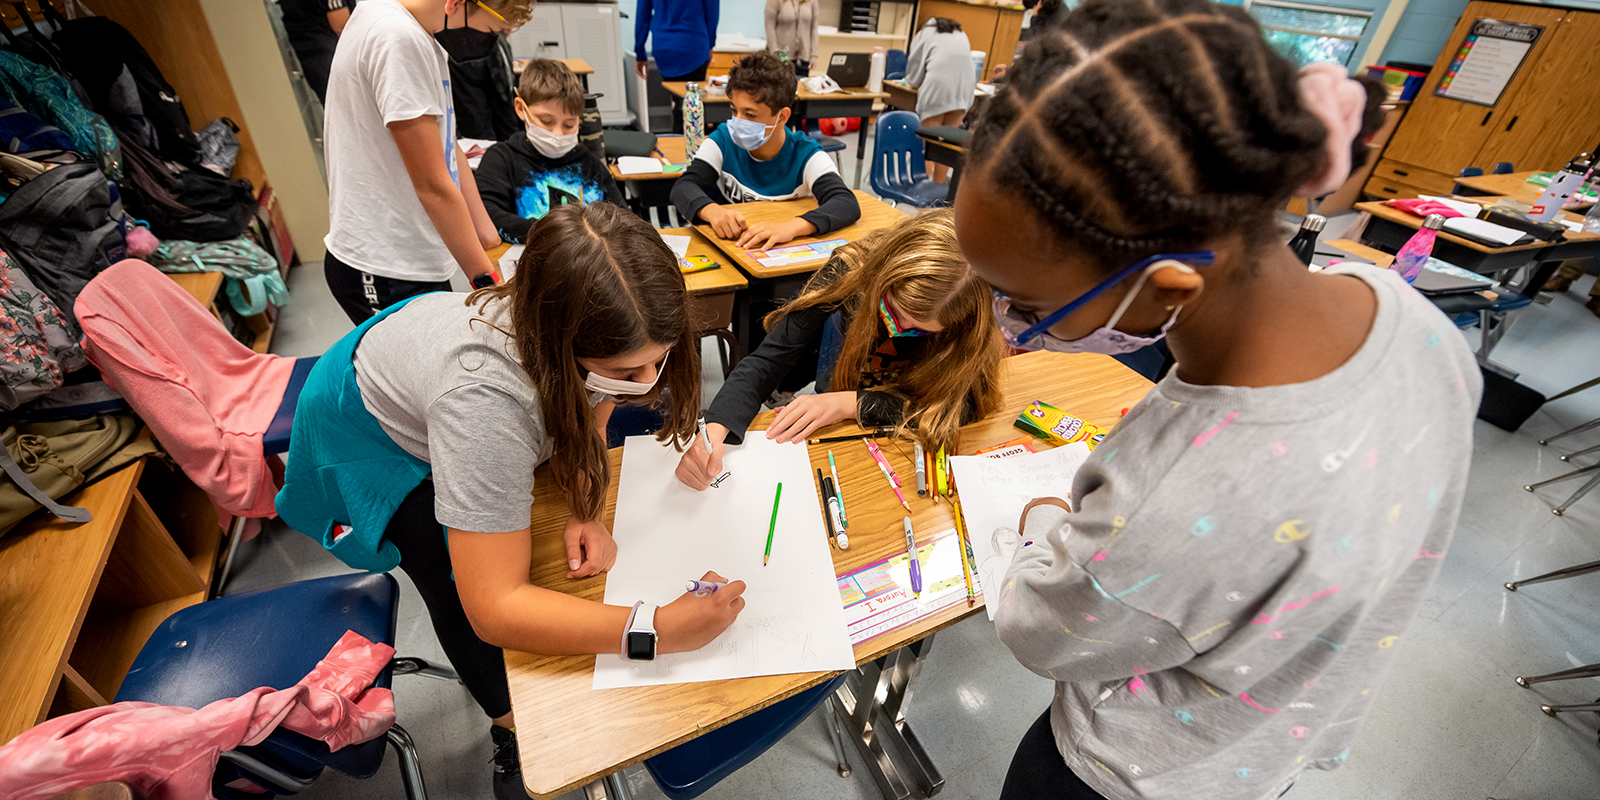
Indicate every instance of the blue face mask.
{"type": "Point", "coordinates": [749, 134]}
{"type": "Point", "coordinates": [1028, 332]}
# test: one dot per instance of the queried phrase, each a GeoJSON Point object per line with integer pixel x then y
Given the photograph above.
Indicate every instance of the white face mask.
{"type": "Point", "coordinates": [615, 387]}
{"type": "Point", "coordinates": [551, 145]}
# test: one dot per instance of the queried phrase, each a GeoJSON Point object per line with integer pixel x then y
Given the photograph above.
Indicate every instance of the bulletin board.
{"type": "Point", "coordinates": [1486, 60]}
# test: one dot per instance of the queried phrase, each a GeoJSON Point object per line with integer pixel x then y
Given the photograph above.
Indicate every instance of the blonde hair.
{"type": "Point", "coordinates": [515, 12]}
{"type": "Point", "coordinates": [918, 266]}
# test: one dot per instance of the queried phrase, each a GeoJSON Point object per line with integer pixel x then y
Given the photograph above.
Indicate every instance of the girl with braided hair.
{"type": "Point", "coordinates": [1219, 609]}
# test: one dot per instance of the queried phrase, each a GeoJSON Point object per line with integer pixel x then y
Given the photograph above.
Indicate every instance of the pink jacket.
{"type": "Point", "coordinates": [169, 753]}
{"type": "Point", "coordinates": [207, 398]}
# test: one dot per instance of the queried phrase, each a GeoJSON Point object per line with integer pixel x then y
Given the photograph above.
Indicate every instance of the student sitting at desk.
{"type": "Point", "coordinates": [754, 157]}
{"type": "Point", "coordinates": [914, 345]}
{"type": "Point", "coordinates": [433, 415]}
{"type": "Point", "coordinates": [523, 177]}
{"type": "Point", "coordinates": [1221, 600]}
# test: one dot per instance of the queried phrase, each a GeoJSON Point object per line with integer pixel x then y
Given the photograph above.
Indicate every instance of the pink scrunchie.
{"type": "Point", "coordinates": [1327, 91]}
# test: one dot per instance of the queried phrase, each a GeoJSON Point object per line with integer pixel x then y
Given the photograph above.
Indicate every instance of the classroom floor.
{"type": "Point", "coordinates": [1450, 724]}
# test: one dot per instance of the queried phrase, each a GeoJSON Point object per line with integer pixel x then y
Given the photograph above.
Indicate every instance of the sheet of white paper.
{"type": "Point", "coordinates": [638, 165]}
{"type": "Point", "coordinates": [679, 244]}
{"type": "Point", "coordinates": [1461, 207]}
{"type": "Point", "coordinates": [508, 260]}
{"type": "Point", "coordinates": [668, 533]}
{"type": "Point", "coordinates": [993, 493]}
{"type": "Point", "coordinates": [1575, 227]}
{"type": "Point", "coordinates": [1486, 230]}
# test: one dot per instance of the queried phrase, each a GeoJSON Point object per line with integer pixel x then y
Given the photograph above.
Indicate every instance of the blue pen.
{"type": "Point", "coordinates": [702, 588]}
{"type": "Point", "coordinates": [916, 566]}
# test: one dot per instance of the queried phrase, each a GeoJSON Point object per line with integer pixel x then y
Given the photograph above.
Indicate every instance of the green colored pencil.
{"type": "Point", "coordinates": [772, 526]}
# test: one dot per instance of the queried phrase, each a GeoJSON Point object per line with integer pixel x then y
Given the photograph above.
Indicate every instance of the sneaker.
{"type": "Point", "coordinates": [779, 399]}
{"type": "Point", "coordinates": [507, 765]}
{"type": "Point", "coordinates": [1558, 284]}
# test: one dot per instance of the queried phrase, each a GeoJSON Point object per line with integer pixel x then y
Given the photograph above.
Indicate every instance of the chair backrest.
{"type": "Point", "coordinates": [1462, 190]}
{"type": "Point", "coordinates": [896, 152]}
{"type": "Point", "coordinates": [1503, 168]}
{"type": "Point", "coordinates": [894, 68]}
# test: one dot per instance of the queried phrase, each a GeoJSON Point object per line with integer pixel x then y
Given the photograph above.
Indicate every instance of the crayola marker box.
{"type": "Point", "coordinates": [1047, 422]}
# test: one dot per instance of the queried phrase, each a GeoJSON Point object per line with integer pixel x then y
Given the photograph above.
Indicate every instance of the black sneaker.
{"type": "Point", "coordinates": [507, 765]}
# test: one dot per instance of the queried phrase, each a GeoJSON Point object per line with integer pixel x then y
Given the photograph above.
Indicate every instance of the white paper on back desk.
{"type": "Point", "coordinates": [668, 533]}
{"type": "Point", "coordinates": [993, 493]}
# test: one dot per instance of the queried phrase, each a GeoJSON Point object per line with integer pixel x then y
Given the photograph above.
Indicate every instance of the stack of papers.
{"type": "Point", "coordinates": [638, 165]}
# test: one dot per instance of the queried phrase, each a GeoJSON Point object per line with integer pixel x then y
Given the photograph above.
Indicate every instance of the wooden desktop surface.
{"type": "Point", "coordinates": [1512, 184]}
{"type": "Point", "coordinates": [569, 734]}
{"type": "Point", "coordinates": [678, 88]}
{"type": "Point", "coordinates": [930, 140]}
{"type": "Point", "coordinates": [672, 152]}
{"type": "Point", "coordinates": [712, 281]}
{"type": "Point", "coordinates": [1397, 216]}
{"type": "Point", "coordinates": [1373, 254]}
{"type": "Point", "coordinates": [875, 214]}
{"type": "Point", "coordinates": [578, 66]}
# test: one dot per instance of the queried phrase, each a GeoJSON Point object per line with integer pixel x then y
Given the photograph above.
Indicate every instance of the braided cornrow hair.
{"type": "Point", "coordinates": [1136, 127]}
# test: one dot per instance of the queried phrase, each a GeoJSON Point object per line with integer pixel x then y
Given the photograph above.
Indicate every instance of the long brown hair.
{"type": "Point", "coordinates": [918, 266]}
{"type": "Point", "coordinates": [597, 282]}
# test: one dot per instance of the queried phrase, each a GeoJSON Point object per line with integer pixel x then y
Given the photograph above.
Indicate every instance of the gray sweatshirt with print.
{"type": "Point", "coordinates": [1219, 612]}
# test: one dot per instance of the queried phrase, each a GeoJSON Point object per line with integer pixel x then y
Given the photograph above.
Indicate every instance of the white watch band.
{"type": "Point", "coordinates": [644, 618]}
{"type": "Point", "coordinates": [628, 626]}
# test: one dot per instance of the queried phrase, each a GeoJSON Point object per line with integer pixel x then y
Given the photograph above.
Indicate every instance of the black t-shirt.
{"type": "Point", "coordinates": [313, 39]}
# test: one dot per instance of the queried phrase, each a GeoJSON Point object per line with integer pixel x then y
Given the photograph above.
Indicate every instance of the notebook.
{"type": "Point", "coordinates": [1436, 284]}
{"type": "Point", "coordinates": [1485, 232]}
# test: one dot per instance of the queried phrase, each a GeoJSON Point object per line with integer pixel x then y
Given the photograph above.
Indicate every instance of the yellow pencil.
{"type": "Point", "coordinates": [966, 552]}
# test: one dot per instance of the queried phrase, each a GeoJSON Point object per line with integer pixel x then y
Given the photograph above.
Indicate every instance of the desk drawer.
{"type": "Point", "coordinates": [1391, 189]}
{"type": "Point", "coordinates": [1431, 182]}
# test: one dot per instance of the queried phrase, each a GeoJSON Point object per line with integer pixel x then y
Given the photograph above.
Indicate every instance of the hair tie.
{"type": "Point", "coordinates": [1329, 93]}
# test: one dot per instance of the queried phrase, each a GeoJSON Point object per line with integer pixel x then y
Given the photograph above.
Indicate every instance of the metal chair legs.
{"type": "Point", "coordinates": [411, 665]}
{"type": "Point", "coordinates": [1574, 390]}
{"type": "Point", "coordinates": [1554, 710]}
{"type": "Point", "coordinates": [1569, 572]}
{"type": "Point", "coordinates": [1591, 671]}
{"type": "Point", "coordinates": [1591, 424]}
{"type": "Point", "coordinates": [405, 752]}
{"type": "Point", "coordinates": [219, 581]}
{"type": "Point", "coordinates": [1562, 509]}
{"type": "Point", "coordinates": [836, 735]}
{"type": "Point", "coordinates": [1568, 457]}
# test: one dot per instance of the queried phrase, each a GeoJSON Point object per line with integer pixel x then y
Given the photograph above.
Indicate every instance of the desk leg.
{"type": "Point", "coordinates": [741, 322]}
{"type": "Point", "coordinates": [861, 151]}
{"type": "Point", "coordinates": [611, 787]}
{"type": "Point", "coordinates": [880, 730]}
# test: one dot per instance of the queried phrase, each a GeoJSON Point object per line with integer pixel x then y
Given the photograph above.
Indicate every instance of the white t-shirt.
{"type": "Point", "coordinates": [386, 69]}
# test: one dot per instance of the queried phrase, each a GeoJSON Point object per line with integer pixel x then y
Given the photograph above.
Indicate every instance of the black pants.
{"type": "Point", "coordinates": [362, 294]}
{"type": "Point", "coordinates": [802, 69]}
{"type": "Point", "coordinates": [425, 557]}
{"type": "Point", "coordinates": [697, 75]}
{"type": "Point", "coordinates": [1039, 773]}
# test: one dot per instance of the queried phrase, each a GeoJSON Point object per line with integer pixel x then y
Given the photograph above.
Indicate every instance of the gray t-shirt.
{"type": "Point", "coordinates": [453, 393]}
{"type": "Point", "coordinates": [1222, 608]}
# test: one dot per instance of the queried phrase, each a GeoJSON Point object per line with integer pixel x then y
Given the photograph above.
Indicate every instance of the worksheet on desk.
{"type": "Point", "coordinates": [668, 534]}
{"type": "Point", "coordinates": [994, 491]}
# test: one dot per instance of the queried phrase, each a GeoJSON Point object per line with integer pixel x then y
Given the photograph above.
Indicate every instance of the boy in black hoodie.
{"type": "Point", "coordinates": [523, 177]}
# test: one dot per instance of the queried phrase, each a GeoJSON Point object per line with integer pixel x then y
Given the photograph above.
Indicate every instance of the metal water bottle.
{"type": "Point", "coordinates": [1561, 187]}
{"type": "Point", "coordinates": [1414, 254]}
{"type": "Point", "coordinates": [1304, 243]}
{"type": "Point", "coordinates": [694, 118]}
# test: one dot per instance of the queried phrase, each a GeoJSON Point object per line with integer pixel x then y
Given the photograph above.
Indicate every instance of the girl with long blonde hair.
{"type": "Point", "coordinates": [912, 331]}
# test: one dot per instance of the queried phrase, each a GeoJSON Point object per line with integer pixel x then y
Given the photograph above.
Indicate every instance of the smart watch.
{"type": "Point", "coordinates": [483, 280]}
{"type": "Point", "coordinates": [639, 639]}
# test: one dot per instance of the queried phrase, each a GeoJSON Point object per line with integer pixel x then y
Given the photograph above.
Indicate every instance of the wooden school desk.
{"type": "Point", "coordinates": [770, 285]}
{"type": "Point", "coordinates": [948, 154]}
{"type": "Point", "coordinates": [1514, 185]}
{"type": "Point", "coordinates": [654, 189]}
{"type": "Point", "coordinates": [1390, 228]}
{"type": "Point", "coordinates": [850, 103]}
{"type": "Point", "coordinates": [571, 735]}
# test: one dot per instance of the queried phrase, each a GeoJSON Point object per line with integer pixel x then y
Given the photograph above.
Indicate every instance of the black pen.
{"type": "Point", "coordinates": [886, 430]}
{"type": "Point", "coordinates": [827, 517]}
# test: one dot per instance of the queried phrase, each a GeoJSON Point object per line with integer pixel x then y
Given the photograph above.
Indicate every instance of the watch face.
{"type": "Point", "coordinates": [641, 646]}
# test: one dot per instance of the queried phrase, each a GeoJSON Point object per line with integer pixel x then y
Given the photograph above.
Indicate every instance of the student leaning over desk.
{"type": "Point", "coordinates": [914, 346]}
{"type": "Point", "coordinates": [1221, 600]}
{"type": "Point", "coordinates": [436, 411]}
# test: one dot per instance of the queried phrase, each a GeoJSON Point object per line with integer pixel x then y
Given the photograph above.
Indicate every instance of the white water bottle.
{"type": "Point", "coordinates": [875, 74]}
{"type": "Point", "coordinates": [1561, 187]}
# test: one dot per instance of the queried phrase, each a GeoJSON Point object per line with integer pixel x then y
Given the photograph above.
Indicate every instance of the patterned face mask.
{"type": "Point", "coordinates": [892, 323]}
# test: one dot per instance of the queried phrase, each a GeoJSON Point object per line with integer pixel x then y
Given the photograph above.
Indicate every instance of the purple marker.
{"type": "Point", "coordinates": [916, 565]}
{"type": "Point", "coordinates": [702, 588]}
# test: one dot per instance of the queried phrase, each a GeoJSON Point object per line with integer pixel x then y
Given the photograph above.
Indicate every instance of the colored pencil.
{"type": "Point", "coordinates": [772, 526]}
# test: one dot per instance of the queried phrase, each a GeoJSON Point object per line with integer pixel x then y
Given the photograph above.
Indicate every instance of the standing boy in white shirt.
{"type": "Point", "coordinates": [404, 211]}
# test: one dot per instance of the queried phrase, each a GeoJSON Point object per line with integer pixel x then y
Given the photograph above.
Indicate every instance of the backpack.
{"type": "Point", "coordinates": [37, 348]}
{"type": "Point", "coordinates": [62, 226]}
{"type": "Point", "coordinates": [48, 96]}
{"type": "Point", "coordinates": [22, 133]}
{"type": "Point", "coordinates": [181, 202]}
{"type": "Point", "coordinates": [110, 62]}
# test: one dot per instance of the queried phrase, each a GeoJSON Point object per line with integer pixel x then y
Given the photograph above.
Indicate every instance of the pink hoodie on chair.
{"type": "Point", "coordinates": [169, 753]}
{"type": "Point", "coordinates": [207, 398]}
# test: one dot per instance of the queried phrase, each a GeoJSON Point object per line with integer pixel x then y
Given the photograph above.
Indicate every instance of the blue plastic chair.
{"type": "Point", "coordinates": [691, 768]}
{"type": "Point", "coordinates": [273, 637]}
{"type": "Point", "coordinates": [899, 172]}
{"type": "Point", "coordinates": [894, 67]}
{"type": "Point", "coordinates": [1500, 168]}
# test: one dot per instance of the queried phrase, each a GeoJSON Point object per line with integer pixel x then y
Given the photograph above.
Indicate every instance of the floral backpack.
{"type": "Point", "coordinates": [37, 344]}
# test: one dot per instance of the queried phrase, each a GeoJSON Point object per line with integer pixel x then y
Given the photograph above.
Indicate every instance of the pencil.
{"type": "Point", "coordinates": [886, 430]}
{"type": "Point", "coordinates": [966, 551]}
{"type": "Point", "coordinates": [772, 526]}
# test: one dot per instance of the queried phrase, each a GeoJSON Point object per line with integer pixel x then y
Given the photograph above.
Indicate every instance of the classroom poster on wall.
{"type": "Point", "coordinates": [1486, 60]}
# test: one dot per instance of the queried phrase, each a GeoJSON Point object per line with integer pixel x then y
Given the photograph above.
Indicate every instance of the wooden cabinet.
{"type": "Point", "coordinates": [1541, 120]}
{"type": "Point", "coordinates": [992, 29]}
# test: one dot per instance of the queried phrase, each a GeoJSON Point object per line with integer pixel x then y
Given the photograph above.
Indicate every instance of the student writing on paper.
{"type": "Point", "coordinates": [1253, 538]}
{"type": "Point", "coordinates": [434, 414]}
{"type": "Point", "coordinates": [523, 177]}
{"type": "Point", "coordinates": [754, 156]}
{"type": "Point", "coordinates": [908, 338]}
{"type": "Point", "coordinates": [403, 209]}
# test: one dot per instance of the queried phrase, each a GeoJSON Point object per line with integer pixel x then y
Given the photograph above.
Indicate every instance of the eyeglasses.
{"type": "Point", "coordinates": [1021, 327]}
{"type": "Point", "coordinates": [492, 13]}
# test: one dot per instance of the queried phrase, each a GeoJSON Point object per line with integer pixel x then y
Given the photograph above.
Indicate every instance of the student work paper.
{"type": "Point", "coordinates": [993, 493]}
{"type": "Point", "coordinates": [638, 165]}
{"type": "Point", "coordinates": [668, 533]}
{"type": "Point", "coordinates": [508, 261]}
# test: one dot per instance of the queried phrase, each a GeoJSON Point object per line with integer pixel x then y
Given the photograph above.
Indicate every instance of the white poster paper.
{"type": "Point", "coordinates": [993, 493]}
{"type": "Point", "coordinates": [668, 534]}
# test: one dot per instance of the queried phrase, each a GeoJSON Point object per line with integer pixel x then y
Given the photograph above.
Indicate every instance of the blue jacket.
{"type": "Point", "coordinates": [342, 467]}
{"type": "Point", "coordinates": [685, 31]}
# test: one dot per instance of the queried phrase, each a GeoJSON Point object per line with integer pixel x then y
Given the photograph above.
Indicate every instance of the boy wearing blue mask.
{"type": "Point", "coordinates": [754, 157]}
{"type": "Point", "coordinates": [522, 178]}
